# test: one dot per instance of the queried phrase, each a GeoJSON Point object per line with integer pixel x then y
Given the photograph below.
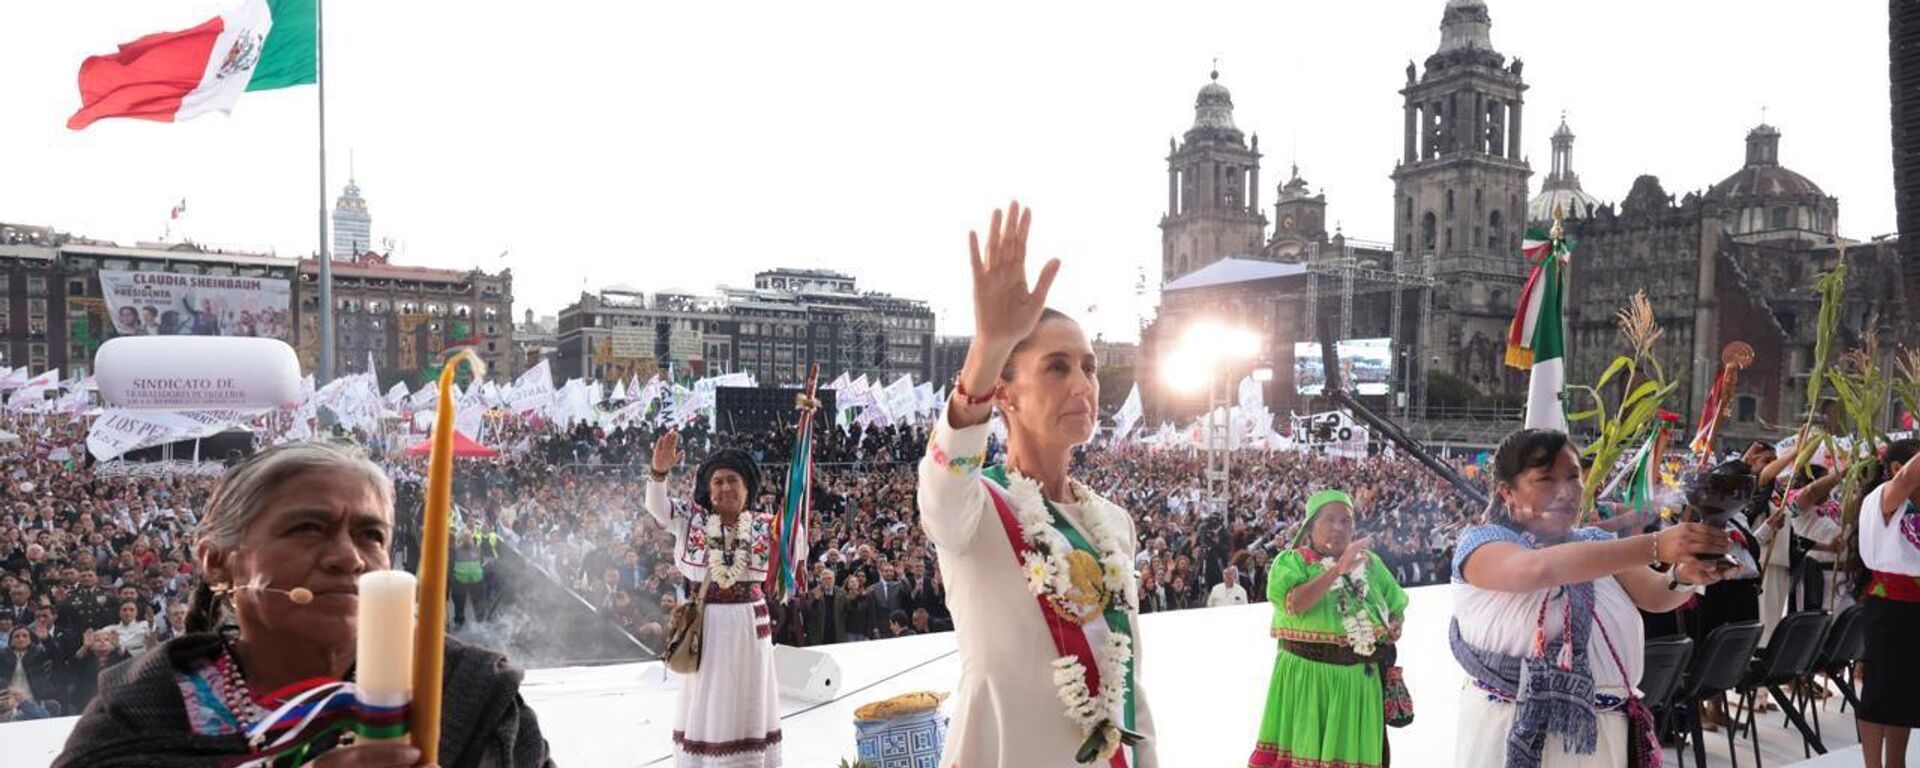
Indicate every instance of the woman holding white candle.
{"type": "Point", "coordinates": [728, 715]}
{"type": "Point", "coordinates": [282, 546]}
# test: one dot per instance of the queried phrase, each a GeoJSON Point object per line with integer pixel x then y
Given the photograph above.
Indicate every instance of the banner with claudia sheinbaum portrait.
{"type": "Point", "coordinates": [168, 304]}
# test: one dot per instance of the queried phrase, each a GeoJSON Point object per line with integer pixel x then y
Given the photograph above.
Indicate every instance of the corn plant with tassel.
{"type": "Point", "coordinates": [1832, 288]}
{"type": "Point", "coordinates": [1619, 428]}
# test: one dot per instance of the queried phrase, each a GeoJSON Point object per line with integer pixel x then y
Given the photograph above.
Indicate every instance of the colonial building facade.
{"type": "Point", "coordinates": [789, 320]}
{"type": "Point", "coordinates": [53, 312]}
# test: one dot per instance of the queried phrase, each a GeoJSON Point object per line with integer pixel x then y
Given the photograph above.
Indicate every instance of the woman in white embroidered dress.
{"type": "Point", "coordinates": [1012, 700]}
{"type": "Point", "coordinates": [729, 709]}
{"type": "Point", "coordinates": [1523, 579]}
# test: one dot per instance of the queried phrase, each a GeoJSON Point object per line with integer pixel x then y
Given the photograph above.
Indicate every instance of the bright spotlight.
{"type": "Point", "coordinates": [1185, 371]}
{"type": "Point", "coordinates": [1212, 343]}
{"type": "Point", "coordinates": [1242, 344]}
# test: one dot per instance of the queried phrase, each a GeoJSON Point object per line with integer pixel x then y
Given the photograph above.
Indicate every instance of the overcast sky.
{"type": "Point", "coordinates": [689, 144]}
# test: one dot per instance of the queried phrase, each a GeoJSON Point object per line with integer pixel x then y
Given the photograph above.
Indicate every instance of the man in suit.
{"type": "Point", "coordinates": [632, 573]}
{"type": "Point", "coordinates": [917, 588]}
{"type": "Point", "coordinates": [889, 594]}
{"type": "Point", "coordinates": [827, 623]}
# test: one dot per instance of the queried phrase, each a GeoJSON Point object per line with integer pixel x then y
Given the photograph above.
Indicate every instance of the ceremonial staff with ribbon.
{"type": "Point", "coordinates": [788, 574]}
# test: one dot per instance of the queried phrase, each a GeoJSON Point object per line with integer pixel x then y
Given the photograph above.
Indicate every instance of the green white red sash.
{"type": "Point", "coordinates": [1069, 639]}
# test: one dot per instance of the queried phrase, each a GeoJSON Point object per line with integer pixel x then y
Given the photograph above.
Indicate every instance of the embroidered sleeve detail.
{"type": "Point", "coordinates": [1475, 537]}
{"type": "Point", "coordinates": [958, 465]}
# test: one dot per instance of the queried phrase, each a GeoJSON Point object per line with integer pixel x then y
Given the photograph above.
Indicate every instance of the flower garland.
{"type": "Point", "coordinates": [1362, 636]}
{"type": "Point", "coordinates": [1050, 574]}
{"type": "Point", "coordinates": [729, 567]}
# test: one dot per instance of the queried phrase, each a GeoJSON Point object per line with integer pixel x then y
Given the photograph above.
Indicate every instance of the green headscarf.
{"type": "Point", "coordinates": [1314, 503]}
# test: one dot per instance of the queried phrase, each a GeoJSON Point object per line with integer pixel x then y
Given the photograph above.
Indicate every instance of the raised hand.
{"type": "Point", "coordinates": [1692, 541]}
{"type": "Point", "coordinates": [667, 453]}
{"type": "Point", "coordinates": [1004, 309]}
{"type": "Point", "coordinates": [1699, 574]}
{"type": "Point", "coordinates": [1355, 557]}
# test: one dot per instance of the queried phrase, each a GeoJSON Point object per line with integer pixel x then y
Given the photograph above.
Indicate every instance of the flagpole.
{"type": "Point", "coordinates": [325, 367]}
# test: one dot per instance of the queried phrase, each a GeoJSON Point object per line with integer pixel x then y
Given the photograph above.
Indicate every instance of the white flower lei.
{"type": "Point", "coordinates": [1361, 634]}
{"type": "Point", "coordinates": [1049, 575]}
{"type": "Point", "coordinates": [724, 573]}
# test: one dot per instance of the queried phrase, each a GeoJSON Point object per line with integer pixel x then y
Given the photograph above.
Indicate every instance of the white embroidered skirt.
{"type": "Point", "coordinates": [729, 714]}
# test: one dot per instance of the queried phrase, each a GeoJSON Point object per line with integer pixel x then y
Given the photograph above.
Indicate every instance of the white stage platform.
{"type": "Point", "coordinates": [1206, 670]}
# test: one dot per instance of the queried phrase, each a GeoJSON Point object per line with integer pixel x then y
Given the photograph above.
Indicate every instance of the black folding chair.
{"type": "Point", "coordinates": [1846, 640]}
{"type": "Point", "coordinates": [1715, 669]}
{"type": "Point", "coordinates": [1666, 661]}
{"type": "Point", "coordinates": [1787, 657]}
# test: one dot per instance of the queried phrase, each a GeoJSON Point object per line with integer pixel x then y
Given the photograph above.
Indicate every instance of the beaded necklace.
{"type": "Point", "coordinates": [234, 692]}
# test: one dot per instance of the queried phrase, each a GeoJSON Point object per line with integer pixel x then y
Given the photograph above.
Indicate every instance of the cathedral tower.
{"type": "Point", "coordinates": [1213, 190]}
{"type": "Point", "coordinates": [1460, 194]}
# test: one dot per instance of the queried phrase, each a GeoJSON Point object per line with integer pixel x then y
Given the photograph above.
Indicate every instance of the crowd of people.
{"type": "Point", "coordinates": [98, 568]}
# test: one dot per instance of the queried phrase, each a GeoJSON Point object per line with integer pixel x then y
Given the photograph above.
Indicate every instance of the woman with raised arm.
{"type": "Point", "coordinates": [1039, 568]}
{"type": "Point", "coordinates": [729, 713]}
{"type": "Point", "coordinates": [1890, 608]}
{"type": "Point", "coordinates": [1545, 621]}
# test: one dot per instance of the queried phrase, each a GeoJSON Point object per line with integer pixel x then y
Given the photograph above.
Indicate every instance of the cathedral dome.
{"type": "Point", "coordinates": [1574, 203]}
{"type": "Point", "coordinates": [1561, 188]}
{"type": "Point", "coordinates": [1466, 25]}
{"type": "Point", "coordinates": [1763, 175]}
{"type": "Point", "coordinates": [1766, 181]}
{"type": "Point", "coordinates": [1213, 108]}
{"type": "Point", "coordinates": [1765, 201]}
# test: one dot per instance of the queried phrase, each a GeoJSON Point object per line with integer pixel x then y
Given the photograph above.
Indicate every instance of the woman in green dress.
{"type": "Point", "coordinates": [1336, 611]}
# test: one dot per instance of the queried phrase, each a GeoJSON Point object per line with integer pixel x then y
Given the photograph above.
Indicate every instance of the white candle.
{"type": "Point", "coordinates": [383, 661]}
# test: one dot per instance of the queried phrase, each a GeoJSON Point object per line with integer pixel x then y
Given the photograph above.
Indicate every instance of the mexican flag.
{"type": "Point", "coordinates": [1537, 338]}
{"type": "Point", "coordinates": [1644, 475]}
{"type": "Point", "coordinates": [173, 76]}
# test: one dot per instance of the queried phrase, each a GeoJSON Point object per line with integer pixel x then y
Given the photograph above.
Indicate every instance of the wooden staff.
{"type": "Point", "coordinates": [1735, 357]}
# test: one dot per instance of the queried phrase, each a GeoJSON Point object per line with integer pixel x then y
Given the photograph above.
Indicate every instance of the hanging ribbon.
{"type": "Point", "coordinates": [317, 708]}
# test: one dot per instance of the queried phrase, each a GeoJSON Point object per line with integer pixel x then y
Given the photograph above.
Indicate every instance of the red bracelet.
{"type": "Point", "coordinates": [960, 388]}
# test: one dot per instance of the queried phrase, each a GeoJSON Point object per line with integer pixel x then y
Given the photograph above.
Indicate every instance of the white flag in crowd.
{"type": "Point", "coordinates": [924, 401]}
{"type": "Point", "coordinates": [1129, 415]}
{"type": "Point", "coordinates": [897, 399]}
{"type": "Point", "coordinates": [118, 431]}
{"type": "Point", "coordinates": [47, 378]}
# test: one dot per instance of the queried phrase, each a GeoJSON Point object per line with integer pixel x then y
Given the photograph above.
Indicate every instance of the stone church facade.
{"type": "Point", "coordinates": [1735, 262]}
